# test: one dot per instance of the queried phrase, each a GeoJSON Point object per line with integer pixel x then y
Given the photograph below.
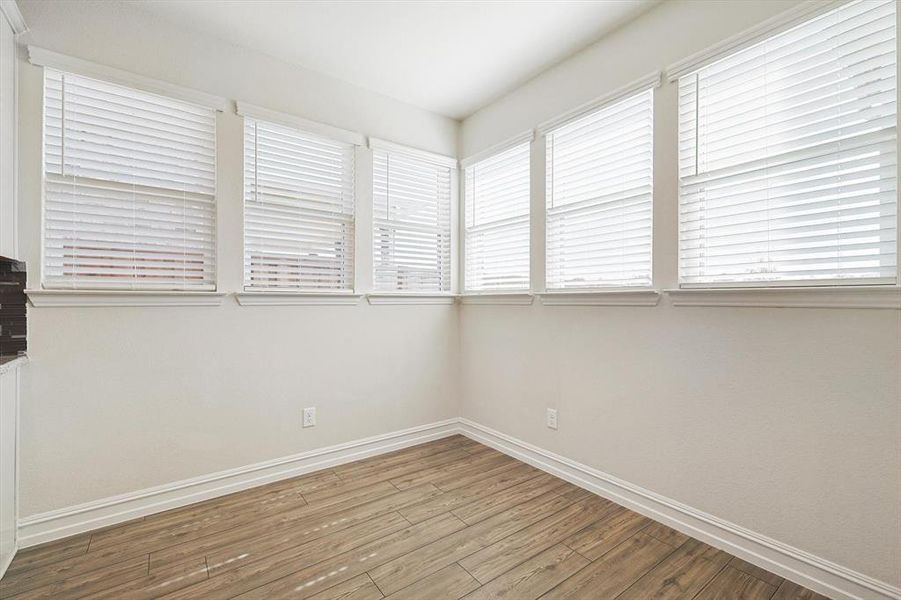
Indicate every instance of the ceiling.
{"type": "Point", "coordinates": [449, 57]}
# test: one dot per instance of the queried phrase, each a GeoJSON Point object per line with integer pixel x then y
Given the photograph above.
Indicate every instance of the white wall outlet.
{"type": "Point", "coordinates": [309, 417]}
{"type": "Point", "coordinates": [552, 418]}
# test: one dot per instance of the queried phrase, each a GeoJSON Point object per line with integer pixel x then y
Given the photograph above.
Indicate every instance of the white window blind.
{"type": "Point", "coordinates": [298, 210]}
{"type": "Point", "coordinates": [599, 197]}
{"type": "Point", "coordinates": [129, 188]}
{"type": "Point", "coordinates": [412, 223]}
{"type": "Point", "coordinates": [497, 222]}
{"type": "Point", "coordinates": [788, 157]}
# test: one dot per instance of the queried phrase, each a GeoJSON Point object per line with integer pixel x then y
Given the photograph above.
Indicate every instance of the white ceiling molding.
{"type": "Point", "coordinates": [613, 297]}
{"type": "Point", "coordinates": [880, 297]}
{"type": "Point", "coordinates": [320, 129]}
{"type": "Point", "coordinates": [83, 298]}
{"type": "Point", "coordinates": [651, 80]}
{"type": "Point", "coordinates": [439, 159]}
{"type": "Point", "coordinates": [13, 15]}
{"type": "Point", "coordinates": [525, 136]}
{"type": "Point", "coordinates": [296, 299]}
{"type": "Point", "coordinates": [68, 64]}
{"type": "Point", "coordinates": [781, 22]}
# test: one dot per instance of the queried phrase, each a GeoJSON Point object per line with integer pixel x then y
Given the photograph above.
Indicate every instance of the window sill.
{"type": "Point", "coordinates": [500, 298]}
{"type": "Point", "coordinates": [51, 298]}
{"type": "Point", "coordinates": [296, 299]}
{"type": "Point", "coordinates": [884, 297]}
{"type": "Point", "coordinates": [612, 297]}
{"type": "Point", "coordinates": [12, 363]}
{"type": "Point", "coordinates": [388, 298]}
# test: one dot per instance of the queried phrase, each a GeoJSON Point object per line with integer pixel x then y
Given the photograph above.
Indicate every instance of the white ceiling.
{"type": "Point", "coordinates": [449, 57]}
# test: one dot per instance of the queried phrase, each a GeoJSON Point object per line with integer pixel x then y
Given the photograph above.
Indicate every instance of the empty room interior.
{"type": "Point", "coordinates": [448, 299]}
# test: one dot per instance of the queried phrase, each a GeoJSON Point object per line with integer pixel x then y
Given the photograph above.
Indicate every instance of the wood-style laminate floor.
{"type": "Point", "coordinates": [444, 520]}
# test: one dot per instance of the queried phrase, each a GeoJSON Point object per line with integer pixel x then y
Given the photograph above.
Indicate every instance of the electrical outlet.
{"type": "Point", "coordinates": [552, 418]}
{"type": "Point", "coordinates": [309, 417]}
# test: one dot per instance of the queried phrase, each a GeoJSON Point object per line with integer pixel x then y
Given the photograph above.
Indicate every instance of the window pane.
{"type": "Point", "coordinates": [788, 157]}
{"type": "Point", "coordinates": [497, 222]}
{"type": "Point", "coordinates": [298, 210]}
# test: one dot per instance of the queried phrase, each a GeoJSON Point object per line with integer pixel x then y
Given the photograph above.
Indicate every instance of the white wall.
{"type": "Point", "coordinates": [784, 421]}
{"type": "Point", "coordinates": [120, 399]}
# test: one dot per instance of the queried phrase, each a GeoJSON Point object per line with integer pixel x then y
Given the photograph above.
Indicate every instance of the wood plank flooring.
{"type": "Point", "coordinates": [445, 520]}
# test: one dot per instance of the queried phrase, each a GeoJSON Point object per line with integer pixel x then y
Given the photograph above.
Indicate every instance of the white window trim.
{"type": "Point", "coordinates": [602, 297]}
{"type": "Point", "coordinates": [313, 127]}
{"type": "Point", "coordinates": [395, 148]}
{"type": "Point", "coordinates": [596, 296]}
{"type": "Point", "coordinates": [13, 15]}
{"type": "Point", "coordinates": [781, 22]}
{"type": "Point", "coordinates": [874, 296]}
{"type": "Point", "coordinates": [14, 364]}
{"type": "Point", "coordinates": [68, 64]}
{"type": "Point", "coordinates": [821, 294]}
{"type": "Point", "coordinates": [649, 81]}
{"type": "Point", "coordinates": [499, 298]}
{"type": "Point", "coordinates": [68, 298]}
{"type": "Point", "coordinates": [297, 299]}
{"type": "Point", "coordinates": [522, 138]}
{"type": "Point", "coordinates": [400, 298]}
{"type": "Point", "coordinates": [455, 225]}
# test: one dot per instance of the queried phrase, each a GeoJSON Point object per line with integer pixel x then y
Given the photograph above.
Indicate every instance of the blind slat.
{"type": "Point", "coordinates": [129, 188]}
{"type": "Point", "coordinates": [599, 197]}
{"type": "Point", "coordinates": [298, 210]}
{"type": "Point", "coordinates": [496, 205]}
{"type": "Point", "coordinates": [788, 157]}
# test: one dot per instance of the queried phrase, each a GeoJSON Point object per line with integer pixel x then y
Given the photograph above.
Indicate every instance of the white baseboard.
{"type": "Point", "coordinates": [8, 560]}
{"type": "Point", "coordinates": [792, 563]}
{"type": "Point", "coordinates": [61, 523]}
{"type": "Point", "coordinates": [811, 571]}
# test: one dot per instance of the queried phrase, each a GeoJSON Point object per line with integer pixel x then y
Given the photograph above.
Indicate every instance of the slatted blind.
{"type": "Point", "coordinates": [599, 197]}
{"type": "Point", "coordinates": [787, 156]}
{"type": "Point", "coordinates": [129, 188]}
{"type": "Point", "coordinates": [412, 224]}
{"type": "Point", "coordinates": [298, 210]}
{"type": "Point", "coordinates": [496, 192]}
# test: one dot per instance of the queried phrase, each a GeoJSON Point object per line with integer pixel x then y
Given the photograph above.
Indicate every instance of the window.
{"type": "Point", "coordinates": [412, 223]}
{"type": "Point", "coordinates": [599, 197]}
{"type": "Point", "coordinates": [496, 192]}
{"type": "Point", "coordinates": [298, 210]}
{"type": "Point", "coordinates": [787, 157]}
{"type": "Point", "coordinates": [129, 188]}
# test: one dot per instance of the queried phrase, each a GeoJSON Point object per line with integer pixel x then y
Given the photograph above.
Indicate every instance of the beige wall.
{"type": "Point", "coordinates": [784, 421]}
{"type": "Point", "coordinates": [121, 399]}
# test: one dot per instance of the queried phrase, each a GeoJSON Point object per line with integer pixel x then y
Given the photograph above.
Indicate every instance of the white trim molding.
{"type": "Point", "coordinates": [500, 298]}
{"type": "Point", "coordinates": [649, 81]}
{"type": "Point", "coordinates": [320, 129]}
{"type": "Point", "coordinates": [57, 524]}
{"type": "Point", "coordinates": [402, 298]}
{"type": "Point", "coordinates": [49, 298]}
{"type": "Point", "coordinates": [13, 15]}
{"type": "Point", "coordinates": [612, 297]}
{"type": "Point", "coordinates": [13, 364]}
{"type": "Point", "coordinates": [526, 136]}
{"type": "Point", "coordinates": [296, 299]}
{"type": "Point", "coordinates": [61, 62]}
{"type": "Point", "coordinates": [792, 563]}
{"type": "Point", "coordinates": [9, 559]}
{"type": "Point", "coordinates": [781, 22]}
{"type": "Point", "coordinates": [884, 297]}
{"type": "Point", "coordinates": [433, 157]}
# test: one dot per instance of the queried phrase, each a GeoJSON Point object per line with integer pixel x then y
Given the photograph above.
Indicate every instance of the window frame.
{"type": "Point", "coordinates": [505, 295]}
{"type": "Point", "coordinates": [393, 297]}
{"type": "Point", "coordinates": [795, 292]}
{"type": "Point", "coordinates": [612, 295]}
